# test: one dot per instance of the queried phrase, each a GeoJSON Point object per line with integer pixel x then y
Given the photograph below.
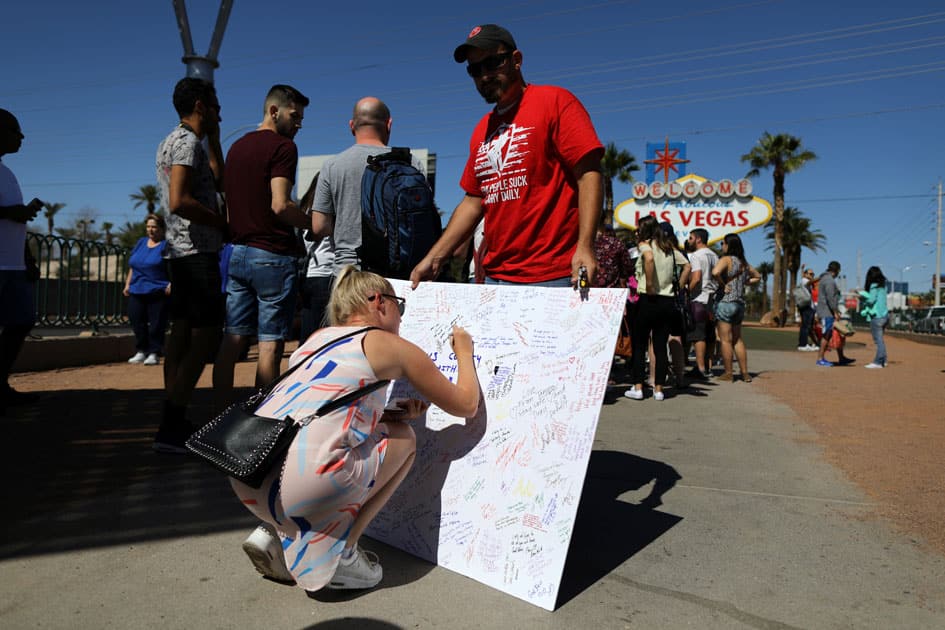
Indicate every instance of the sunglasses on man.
{"type": "Point", "coordinates": [401, 302]}
{"type": "Point", "coordinates": [489, 64]}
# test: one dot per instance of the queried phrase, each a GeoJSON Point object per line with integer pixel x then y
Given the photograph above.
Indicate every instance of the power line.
{"type": "Point", "coordinates": [777, 87]}
{"type": "Point", "coordinates": [793, 121]}
{"type": "Point", "coordinates": [688, 55]}
{"type": "Point", "coordinates": [699, 54]}
{"type": "Point", "coordinates": [780, 87]}
{"type": "Point", "coordinates": [867, 198]}
{"type": "Point", "coordinates": [678, 132]}
{"type": "Point", "coordinates": [371, 41]}
{"type": "Point", "coordinates": [714, 74]}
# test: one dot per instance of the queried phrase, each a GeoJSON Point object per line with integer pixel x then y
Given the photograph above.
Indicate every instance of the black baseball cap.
{"type": "Point", "coordinates": [484, 37]}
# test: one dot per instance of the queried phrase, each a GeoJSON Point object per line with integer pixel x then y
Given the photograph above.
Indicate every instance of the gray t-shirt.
{"type": "Point", "coordinates": [828, 296]}
{"type": "Point", "coordinates": [184, 238]}
{"type": "Point", "coordinates": [704, 260]}
{"type": "Point", "coordinates": [339, 193]}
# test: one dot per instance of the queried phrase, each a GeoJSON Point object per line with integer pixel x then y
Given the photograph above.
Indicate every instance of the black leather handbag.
{"type": "Point", "coordinates": [685, 322]}
{"type": "Point", "coordinates": [246, 446]}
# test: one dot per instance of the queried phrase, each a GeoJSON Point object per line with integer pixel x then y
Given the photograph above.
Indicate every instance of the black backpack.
{"type": "Point", "coordinates": [399, 221]}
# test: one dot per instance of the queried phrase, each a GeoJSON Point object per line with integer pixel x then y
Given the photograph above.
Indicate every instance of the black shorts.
{"type": "Point", "coordinates": [195, 290]}
{"type": "Point", "coordinates": [705, 328]}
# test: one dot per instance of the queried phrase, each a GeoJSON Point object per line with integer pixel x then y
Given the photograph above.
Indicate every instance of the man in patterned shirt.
{"type": "Point", "coordinates": [189, 177]}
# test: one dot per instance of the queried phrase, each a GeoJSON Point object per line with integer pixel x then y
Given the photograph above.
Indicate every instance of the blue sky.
{"type": "Point", "coordinates": [860, 82]}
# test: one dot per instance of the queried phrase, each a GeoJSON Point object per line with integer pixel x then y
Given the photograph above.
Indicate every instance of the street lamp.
{"type": "Point", "coordinates": [937, 278]}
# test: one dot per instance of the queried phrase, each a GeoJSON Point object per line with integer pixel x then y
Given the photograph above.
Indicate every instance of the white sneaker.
{"type": "Point", "coordinates": [874, 366]}
{"type": "Point", "coordinates": [264, 549]}
{"type": "Point", "coordinates": [152, 359]}
{"type": "Point", "coordinates": [635, 394]}
{"type": "Point", "coordinates": [363, 572]}
{"type": "Point", "coordinates": [138, 358]}
{"type": "Point", "coordinates": [658, 396]}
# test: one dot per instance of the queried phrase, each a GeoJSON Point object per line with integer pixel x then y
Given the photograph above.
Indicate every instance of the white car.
{"type": "Point", "coordinates": [930, 320]}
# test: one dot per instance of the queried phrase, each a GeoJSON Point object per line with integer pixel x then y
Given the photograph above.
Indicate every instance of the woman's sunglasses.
{"type": "Point", "coordinates": [401, 302]}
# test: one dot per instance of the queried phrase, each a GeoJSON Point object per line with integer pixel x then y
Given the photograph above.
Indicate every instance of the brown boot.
{"type": "Point", "coordinates": [746, 377]}
{"type": "Point", "coordinates": [725, 376]}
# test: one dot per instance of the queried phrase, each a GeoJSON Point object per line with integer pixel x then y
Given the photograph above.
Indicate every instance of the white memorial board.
{"type": "Point", "coordinates": [495, 497]}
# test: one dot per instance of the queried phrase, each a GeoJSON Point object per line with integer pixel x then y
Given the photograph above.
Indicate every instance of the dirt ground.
{"type": "Point", "coordinates": [884, 428]}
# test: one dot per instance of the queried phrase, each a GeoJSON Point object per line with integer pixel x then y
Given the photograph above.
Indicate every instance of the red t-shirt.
{"type": "Point", "coordinates": [252, 162]}
{"type": "Point", "coordinates": [521, 165]}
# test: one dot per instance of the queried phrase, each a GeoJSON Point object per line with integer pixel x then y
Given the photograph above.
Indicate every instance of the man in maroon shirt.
{"type": "Point", "coordinates": [261, 284]}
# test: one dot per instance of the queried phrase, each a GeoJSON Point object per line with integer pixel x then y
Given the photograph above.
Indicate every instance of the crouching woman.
{"type": "Point", "coordinates": [344, 466]}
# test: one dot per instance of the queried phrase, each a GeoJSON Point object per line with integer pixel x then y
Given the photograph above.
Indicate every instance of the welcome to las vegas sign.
{"type": "Point", "coordinates": [692, 201]}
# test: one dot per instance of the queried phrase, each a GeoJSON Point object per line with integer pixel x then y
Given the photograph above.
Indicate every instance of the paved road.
{"type": "Point", "coordinates": [712, 509]}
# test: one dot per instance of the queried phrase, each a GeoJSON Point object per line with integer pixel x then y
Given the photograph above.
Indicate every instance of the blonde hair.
{"type": "Point", "coordinates": [349, 295]}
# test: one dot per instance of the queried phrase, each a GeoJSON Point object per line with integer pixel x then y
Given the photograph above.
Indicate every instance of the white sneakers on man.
{"type": "Point", "coordinates": [808, 348]}
{"type": "Point", "coordinates": [138, 358]}
{"type": "Point", "coordinates": [265, 551]}
{"type": "Point", "coordinates": [874, 366]}
{"type": "Point", "coordinates": [152, 359]}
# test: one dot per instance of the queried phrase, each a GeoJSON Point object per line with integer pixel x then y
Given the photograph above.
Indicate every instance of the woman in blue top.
{"type": "Point", "coordinates": [147, 288]}
{"type": "Point", "coordinates": [876, 313]}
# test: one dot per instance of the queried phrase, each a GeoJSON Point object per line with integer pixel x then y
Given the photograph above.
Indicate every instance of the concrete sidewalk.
{"type": "Point", "coordinates": [712, 509]}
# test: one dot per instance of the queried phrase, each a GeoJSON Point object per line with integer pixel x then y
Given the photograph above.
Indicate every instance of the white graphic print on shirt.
{"type": "Point", "coordinates": [499, 163]}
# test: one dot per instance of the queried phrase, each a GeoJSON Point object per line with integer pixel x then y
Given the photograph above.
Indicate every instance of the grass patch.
{"type": "Point", "coordinates": [758, 338]}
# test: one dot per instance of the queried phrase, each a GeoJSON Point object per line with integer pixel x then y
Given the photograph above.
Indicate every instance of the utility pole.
{"type": "Point", "coordinates": [938, 249]}
{"type": "Point", "coordinates": [201, 66]}
{"type": "Point", "coordinates": [859, 269]}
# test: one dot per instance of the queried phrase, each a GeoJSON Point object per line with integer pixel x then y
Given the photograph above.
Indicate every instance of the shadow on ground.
{"type": "Point", "coordinates": [81, 473]}
{"type": "Point", "coordinates": [354, 623]}
{"type": "Point", "coordinates": [608, 530]}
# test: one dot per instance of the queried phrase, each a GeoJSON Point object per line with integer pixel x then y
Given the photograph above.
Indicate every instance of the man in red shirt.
{"type": "Point", "coordinates": [533, 173]}
{"type": "Point", "coordinates": [261, 278]}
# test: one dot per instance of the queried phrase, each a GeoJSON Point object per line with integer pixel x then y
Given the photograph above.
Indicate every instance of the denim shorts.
{"type": "Point", "coordinates": [260, 293]}
{"type": "Point", "coordinates": [730, 312]}
{"type": "Point", "coordinates": [17, 298]}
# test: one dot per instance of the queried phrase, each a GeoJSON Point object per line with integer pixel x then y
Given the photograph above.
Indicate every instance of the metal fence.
{"type": "Point", "coordinates": [80, 282]}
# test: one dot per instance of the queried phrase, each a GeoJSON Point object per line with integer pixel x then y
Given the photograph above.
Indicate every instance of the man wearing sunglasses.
{"type": "Point", "coordinates": [533, 173]}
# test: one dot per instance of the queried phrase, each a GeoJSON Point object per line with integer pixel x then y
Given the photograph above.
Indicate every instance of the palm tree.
{"type": "Point", "coordinates": [765, 270]}
{"type": "Point", "coordinates": [619, 164]}
{"type": "Point", "coordinates": [108, 232]}
{"type": "Point", "coordinates": [797, 234]}
{"type": "Point", "coordinates": [149, 195]}
{"type": "Point", "coordinates": [50, 211]}
{"type": "Point", "coordinates": [129, 233]}
{"type": "Point", "coordinates": [782, 154]}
